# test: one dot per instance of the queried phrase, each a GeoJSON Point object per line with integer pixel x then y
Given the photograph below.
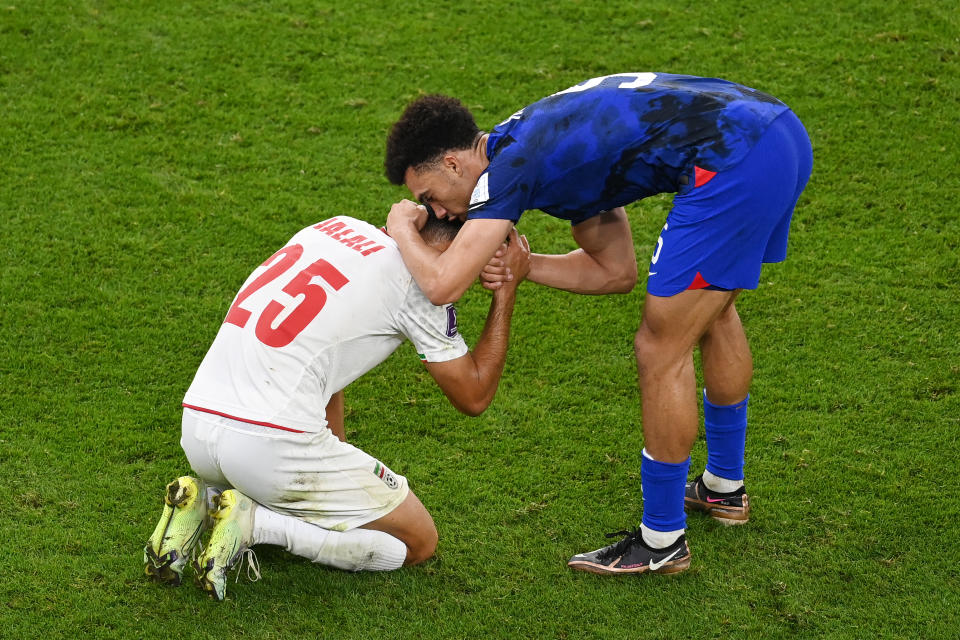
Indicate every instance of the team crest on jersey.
{"type": "Point", "coordinates": [481, 193]}
{"type": "Point", "coordinates": [386, 475]}
{"type": "Point", "coordinates": [451, 321]}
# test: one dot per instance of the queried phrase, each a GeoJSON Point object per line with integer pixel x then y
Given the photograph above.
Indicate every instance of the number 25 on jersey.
{"type": "Point", "coordinates": [314, 297]}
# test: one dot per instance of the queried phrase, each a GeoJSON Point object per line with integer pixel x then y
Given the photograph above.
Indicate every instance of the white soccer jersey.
{"type": "Point", "coordinates": [319, 313]}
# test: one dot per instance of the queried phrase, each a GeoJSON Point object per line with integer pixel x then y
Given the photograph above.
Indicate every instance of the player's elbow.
{"type": "Point", "coordinates": [618, 278]}
{"type": "Point", "coordinates": [612, 285]}
{"type": "Point", "coordinates": [473, 408]}
{"type": "Point", "coordinates": [473, 404]}
{"type": "Point", "coordinates": [623, 280]}
{"type": "Point", "coordinates": [441, 297]}
{"type": "Point", "coordinates": [439, 292]}
{"type": "Point", "coordinates": [445, 287]}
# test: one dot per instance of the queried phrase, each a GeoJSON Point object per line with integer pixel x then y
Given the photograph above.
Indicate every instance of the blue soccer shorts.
{"type": "Point", "coordinates": [723, 226]}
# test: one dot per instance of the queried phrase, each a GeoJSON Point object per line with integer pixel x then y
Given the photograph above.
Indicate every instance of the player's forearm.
{"type": "Point", "coordinates": [578, 272]}
{"type": "Point", "coordinates": [437, 277]}
{"type": "Point", "coordinates": [490, 352]}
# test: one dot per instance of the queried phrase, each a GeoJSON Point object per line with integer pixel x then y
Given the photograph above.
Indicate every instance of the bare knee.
{"type": "Point", "coordinates": [660, 358]}
{"type": "Point", "coordinates": [423, 546]}
{"type": "Point", "coordinates": [411, 524]}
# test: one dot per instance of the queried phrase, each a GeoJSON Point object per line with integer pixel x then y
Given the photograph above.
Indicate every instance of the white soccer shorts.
{"type": "Point", "coordinates": [311, 476]}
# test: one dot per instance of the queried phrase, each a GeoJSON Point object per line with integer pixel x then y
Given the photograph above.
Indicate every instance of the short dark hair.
{"type": "Point", "coordinates": [429, 126]}
{"type": "Point", "coordinates": [437, 230]}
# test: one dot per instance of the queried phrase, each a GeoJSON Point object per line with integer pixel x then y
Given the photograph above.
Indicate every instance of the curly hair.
{"type": "Point", "coordinates": [429, 126]}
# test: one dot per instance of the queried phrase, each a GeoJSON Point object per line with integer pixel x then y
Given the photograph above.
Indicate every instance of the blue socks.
{"type": "Point", "coordinates": [663, 482]}
{"type": "Point", "coordinates": [726, 431]}
{"type": "Point", "coordinates": [663, 486]}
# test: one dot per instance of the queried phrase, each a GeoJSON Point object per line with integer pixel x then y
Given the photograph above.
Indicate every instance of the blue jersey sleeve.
{"type": "Point", "coordinates": [503, 191]}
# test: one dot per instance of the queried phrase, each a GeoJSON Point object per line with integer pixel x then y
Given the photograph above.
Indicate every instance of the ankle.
{"type": "Point", "coordinates": [659, 539]}
{"type": "Point", "coordinates": [720, 485]}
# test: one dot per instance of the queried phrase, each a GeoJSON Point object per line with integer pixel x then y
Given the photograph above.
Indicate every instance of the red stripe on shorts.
{"type": "Point", "coordinates": [227, 415]}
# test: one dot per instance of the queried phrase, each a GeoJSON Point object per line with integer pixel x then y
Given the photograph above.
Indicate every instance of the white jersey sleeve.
{"type": "Point", "coordinates": [432, 329]}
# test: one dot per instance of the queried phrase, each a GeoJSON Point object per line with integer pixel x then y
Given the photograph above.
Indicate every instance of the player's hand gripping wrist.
{"type": "Point", "coordinates": [509, 265]}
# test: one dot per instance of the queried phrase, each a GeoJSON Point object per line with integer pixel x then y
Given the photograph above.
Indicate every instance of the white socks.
{"type": "Point", "coordinates": [212, 492]}
{"type": "Point", "coordinates": [659, 539]}
{"type": "Point", "coordinates": [354, 550]}
{"type": "Point", "coordinates": [720, 485]}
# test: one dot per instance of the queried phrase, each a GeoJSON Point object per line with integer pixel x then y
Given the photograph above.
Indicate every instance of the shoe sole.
{"type": "Point", "coordinates": [674, 566]}
{"type": "Point", "coordinates": [727, 516]}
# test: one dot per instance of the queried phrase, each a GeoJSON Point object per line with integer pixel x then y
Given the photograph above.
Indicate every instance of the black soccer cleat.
{"type": "Point", "coordinates": [726, 508]}
{"type": "Point", "coordinates": [632, 555]}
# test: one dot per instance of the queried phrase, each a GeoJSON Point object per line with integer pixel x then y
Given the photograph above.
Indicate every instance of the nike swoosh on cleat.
{"type": "Point", "coordinates": [656, 565]}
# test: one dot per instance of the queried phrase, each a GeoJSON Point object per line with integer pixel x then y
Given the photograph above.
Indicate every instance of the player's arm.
{"type": "Point", "coordinates": [605, 262]}
{"type": "Point", "coordinates": [470, 381]}
{"type": "Point", "coordinates": [334, 415]}
{"type": "Point", "coordinates": [443, 277]}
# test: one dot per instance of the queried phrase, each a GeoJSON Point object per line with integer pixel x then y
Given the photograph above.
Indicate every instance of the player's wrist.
{"type": "Point", "coordinates": [506, 292]}
{"type": "Point", "coordinates": [406, 228]}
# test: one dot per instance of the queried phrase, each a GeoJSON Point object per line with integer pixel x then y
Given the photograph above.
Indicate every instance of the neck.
{"type": "Point", "coordinates": [480, 150]}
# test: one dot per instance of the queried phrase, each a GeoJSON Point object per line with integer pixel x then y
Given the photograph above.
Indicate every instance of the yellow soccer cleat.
{"type": "Point", "coordinates": [183, 520]}
{"type": "Point", "coordinates": [231, 538]}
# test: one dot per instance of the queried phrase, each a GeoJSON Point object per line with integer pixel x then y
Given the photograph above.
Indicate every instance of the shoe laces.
{"type": "Point", "coordinates": [253, 565]}
{"type": "Point", "coordinates": [619, 548]}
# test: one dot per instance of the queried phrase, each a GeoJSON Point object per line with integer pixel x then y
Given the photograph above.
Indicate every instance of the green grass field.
{"type": "Point", "coordinates": [153, 153]}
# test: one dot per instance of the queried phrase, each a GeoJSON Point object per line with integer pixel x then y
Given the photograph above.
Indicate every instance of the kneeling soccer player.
{"type": "Point", "coordinates": [263, 418]}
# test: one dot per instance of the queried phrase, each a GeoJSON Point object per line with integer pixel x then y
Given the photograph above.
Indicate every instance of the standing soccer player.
{"type": "Point", "coordinates": [737, 160]}
{"type": "Point", "coordinates": [263, 418]}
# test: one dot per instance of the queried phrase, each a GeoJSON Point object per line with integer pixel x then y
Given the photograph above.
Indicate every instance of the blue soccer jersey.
{"type": "Point", "coordinates": [613, 140]}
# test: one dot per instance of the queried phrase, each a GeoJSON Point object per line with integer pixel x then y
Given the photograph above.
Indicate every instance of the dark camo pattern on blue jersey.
{"type": "Point", "coordinates": [577, 153]}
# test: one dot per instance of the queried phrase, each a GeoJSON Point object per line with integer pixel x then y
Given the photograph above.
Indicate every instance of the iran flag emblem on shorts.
{"type": "Point", "coordinates": [386, 475]}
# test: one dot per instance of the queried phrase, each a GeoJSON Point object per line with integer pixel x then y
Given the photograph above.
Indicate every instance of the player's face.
{"type": "Point", "coordinates": [442, 189]}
